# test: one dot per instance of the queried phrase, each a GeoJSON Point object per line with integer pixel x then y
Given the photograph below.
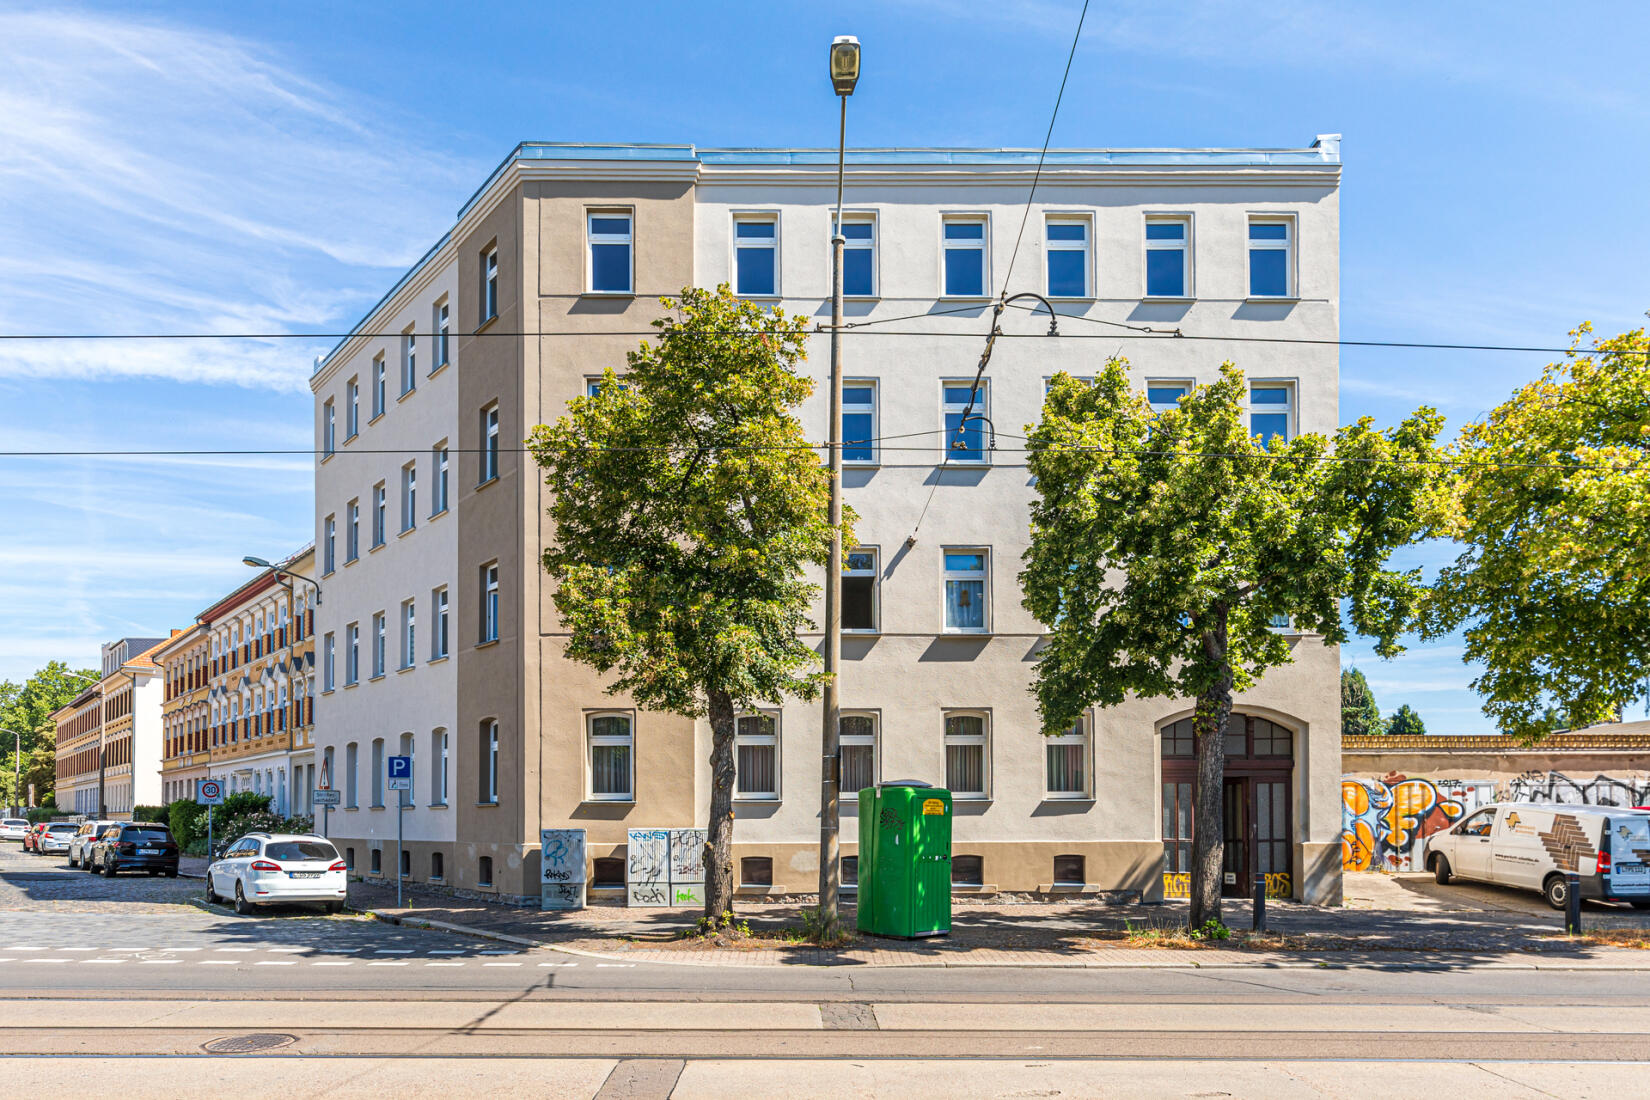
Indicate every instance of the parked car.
{"type": "Point", "coordinates": [135, 846]}
{"type": "Point", "coordinates": [81, 845]}
{"type": "Point", "coordinates": [55, 837]}
{"type": "Point", "coordinates": [276, 868]}
{"type": "Point", "coordinates": [14, 828]}
{"type": "Point", "coordinates": [31, 841]}
{"type": "Point", "coordinates": [1533, 846]}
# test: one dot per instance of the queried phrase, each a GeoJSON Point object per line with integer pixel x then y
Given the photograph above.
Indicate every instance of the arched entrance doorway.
{"type": "Point", "coordinates": [1257, 801]}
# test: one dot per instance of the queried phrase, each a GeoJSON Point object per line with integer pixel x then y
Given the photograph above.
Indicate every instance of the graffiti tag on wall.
{"type": "Point", "coordinates": [1178, 884]}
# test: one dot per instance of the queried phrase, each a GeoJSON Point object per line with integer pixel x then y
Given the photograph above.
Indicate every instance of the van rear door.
{"type": "Point", "coordinates": [1628, 848]}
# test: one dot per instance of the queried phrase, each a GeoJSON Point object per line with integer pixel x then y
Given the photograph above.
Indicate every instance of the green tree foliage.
{"type": "Point", "coordinates": [1164, 546]}
{"type": "Point", "coordinates": [1405, 722]}
{"type": "Point", "coordinates": [188, 821]}
{"type": "Point", "coordinates": [27, 708]}
{"type": "Point", "coordinates": [687, 507]}
{"type": "Point", "coordinates": [1359, 714]}
{"type": "Point", "coordinates": [1553, 507]}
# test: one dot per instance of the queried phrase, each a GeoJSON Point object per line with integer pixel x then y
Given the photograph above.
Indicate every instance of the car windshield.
{"type": "Point", "coordinates": [147, 836]}
{"type": "Point", "coordinates": [15, 821]}
{"type": "Point", "coordinates": [300, 849]}
{"type": "Point", "coordinates": [70, 828]}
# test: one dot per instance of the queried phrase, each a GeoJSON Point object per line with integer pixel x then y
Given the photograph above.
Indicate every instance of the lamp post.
{"type": "Point", "coordinates": [16, 774]}
{"type": "Point", "coordinates": [844, 56]}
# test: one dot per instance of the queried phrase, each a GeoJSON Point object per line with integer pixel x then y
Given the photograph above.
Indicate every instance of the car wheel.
{"type": "Point", "coordinates": [108, 868]}
{"type": "Point", "coordinates": [173, 873]}
{"type": "Point", "coordinates": [242, 906]}
{"type": "Point", "coordinates": [154, 873]}
{"type": "Point", "coordinates": [1441, 873]}
{"type": "Point", "coordinates": [336, 907]}
{"type": "Point", "coordinates": [1556, 890]}
{"type": "Point", "coordinates": [73, 862]}
{"type": "Point", "coordinates": [211, 894]}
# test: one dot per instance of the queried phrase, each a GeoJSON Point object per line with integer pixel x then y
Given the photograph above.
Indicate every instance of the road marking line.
{"type": "Point", "coordinates": [74, 949]}
{"type": "Point", "coordinates": [500, 964]}
{"type": "Point", "coordinates": [444, 964]}
{"type": "Point", "coordinates": [345, 963]}
{"type": "Point", "coordinates": [479, 952]}
{"type": "Point", "coordinates": [160, 962]}
{"type": "Point", "coordinates": [178, 949]}
{"type": "Point", "coordinates": [287, 950]}
{"type": "Point", "coordinates": [393, 951]}
{"type": "Point", "coordinates": [389, 962]}
{"type": "Point", "coordinates": [226, 949]}
{"type": "Point", "coordinates": [437, 951]}
{"type": "Point", "coordinates": [615, 964]}
{"type": "Point", "coordinates": [105, 962]}
{"type": "Point", "coordinates": [127, 949]}
{"type": "Point", "coordinates": [219, 962]}
{"type": "Point", "coordinates": [54, 960]}
{"type": "Point", "coordinates": [283, 962]}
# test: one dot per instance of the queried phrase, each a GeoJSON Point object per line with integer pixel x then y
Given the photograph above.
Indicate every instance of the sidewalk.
{"type": "Point", "coordinates": [1048, 934]}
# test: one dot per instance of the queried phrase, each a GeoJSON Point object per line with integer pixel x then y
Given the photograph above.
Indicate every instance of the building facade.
{"type": "Point", "coordinates": [552, 273]}
{"type": "Point", "coordinates": [185, 713]}
{"type": "Point", "coordinates": [109, 740]}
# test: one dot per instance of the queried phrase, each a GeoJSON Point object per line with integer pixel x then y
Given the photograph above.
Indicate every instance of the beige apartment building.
{"type": "Point", "coordinates": [440, 640]}
{"type": "Point", "coordinates": [109, 736]}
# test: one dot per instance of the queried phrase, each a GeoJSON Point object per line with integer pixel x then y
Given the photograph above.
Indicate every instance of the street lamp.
{"type": "Point", "coordinates": [844, 76]}
{"type": "Point", "coordinates": [259, 563]}
{"type": "Point", "coordinates": [16, 773]}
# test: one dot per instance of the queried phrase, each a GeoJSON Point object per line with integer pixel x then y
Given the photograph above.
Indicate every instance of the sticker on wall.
{"type": "Point", "coordinates": [933, 806]}
{"type": "Point", "coordinates": [561, 868]}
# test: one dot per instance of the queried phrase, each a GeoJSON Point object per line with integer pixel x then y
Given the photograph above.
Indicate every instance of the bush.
{"type": "Point", "coordinates": [242, 802]}
{"type": "Point", "coordinates": [156, 814]}
{"type": "Point", "coordinates": [188, 821]}
{"type": "Point", "coordinates": [230, 828]}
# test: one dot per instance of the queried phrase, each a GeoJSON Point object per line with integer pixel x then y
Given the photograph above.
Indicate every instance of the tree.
{"type": "Point", "coordinates": [1552, 503]}
{"type": "Point", "coordinates": [687, 506]}
{"type": "Point", "coordinates": [1164, 547]}
{"type": "Point", "coordinates": [1405, 722]}
{"type": "Point", "coordinates": [28, 709]}
{"type": "Point", "coordinates": [1359, 714]}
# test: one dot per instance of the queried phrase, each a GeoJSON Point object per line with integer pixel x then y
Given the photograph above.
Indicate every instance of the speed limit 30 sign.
{"type": "Point", "coordinates": [209, 793]}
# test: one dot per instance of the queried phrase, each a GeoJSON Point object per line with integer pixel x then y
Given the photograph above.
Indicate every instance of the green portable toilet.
{"type": "Point", "coordinates": [904, 860]}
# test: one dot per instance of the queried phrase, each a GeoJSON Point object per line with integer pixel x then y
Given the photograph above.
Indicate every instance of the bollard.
{"type": "Point", "coordinates": [1260, 902]}
{"type": "Point", "coordinates": [1572, 904]}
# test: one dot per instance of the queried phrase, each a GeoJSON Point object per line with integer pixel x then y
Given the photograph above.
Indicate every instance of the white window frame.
{"type": "Point", "coordinates": [352, 654]}
{"type": "Point", "coordinates": [982, 409]}
{"type": "Point", "coordinates": [409, 360]}
{"type": "Point", "coordinates": [380, 514]}
{"type": "Point", "coordinates": [1288, 408]}
{"type": "Point", "coordinates": [352, 775]}
{"type": "Point", "coordinates": [592, 239]}
{"type": "Point", "coordinates": [489, 283]}
{"type": "Point", "coordinates": [409, 496]}
{"type": "Point", "coordinates": [380, 641]}
{"type": "Point", "coordinates": [380, 394]}
{"type": "Point", "coordinates": [861, 217]}
{"type": "Point", "coordinates": [352, 533]}
{"type": "Point", "coordinates": [876, 420]}
{"type": "Point", "coordinates": [947, 575]}
{"type": "Point", "coordinates": [983, 739]}
{"type": "Point", "coordinates": [1183, 246]}
{"type": "Point", "coordinates": [440, 623]}
{"type": "Point", "coordinates": [875, 573]}
{"type": "Point", "coordinates": [329, 544]}
{"type": "Point", "coordinates": [1290, 293]}
{"type": "Point", "coordinates": [1056, 217]}
{"type": "Point", "coordinates": [329, 662]}
{"type": "Point", "coordinates": [489, 443]}
{"type": "Point", "coordinates": [771, 740]}
{"type": "Point", "coordinates": [329, 429]}
{"type": "Point", "coordinates": [872, 739]}
{"type": "Point", "coordinates": [757, 217]}
{"type": "Point", "coordinates": [409, 633]}
{"type": "Point", "coordinates": [352, 408]}
{"type": "Point", "coordinates": [439, 462]}
{"type": "Point", "coordinates": [1187, 383]}
{"type": "Point", "coordinates": [489, 602]}
{"type": "Point", "coordinates": [489, 794]}
{"type": "Point", "coordinates": [592, 740]}
{"type": "Point", "coordinates": [1081, 733]}
{"type": "Point", "coordinates": [438, 775]}
{"type": "Point", "coordinates": [967, 217]}
{"type": "Point", "coordinates": [441, 326]}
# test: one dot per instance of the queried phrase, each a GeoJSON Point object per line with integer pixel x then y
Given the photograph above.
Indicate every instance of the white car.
{"type": "Point", "coordinates": [57, 836]}
{"type": "Point", "coordinates": [277, 868]}
{"type": "Point", "coordinates": [14, 828]}
{"type": "Point", "coordinates": [80, 845]}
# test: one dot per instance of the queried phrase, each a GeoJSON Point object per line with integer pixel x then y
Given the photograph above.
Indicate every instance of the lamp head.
{"type": "Point", "coordinates": [844, 63]}
{"type": "Point", "coordinates": [256, 563]}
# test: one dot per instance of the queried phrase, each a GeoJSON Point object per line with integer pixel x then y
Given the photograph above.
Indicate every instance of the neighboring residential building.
{"type": "Point", "coordinates": [260, 670]}
{"type": "Point", "coordinates": [186, 753]}
{"type": "Point", "coordinates": [109, 736]}
{"type": "Point", "coordinates": [553, 269]}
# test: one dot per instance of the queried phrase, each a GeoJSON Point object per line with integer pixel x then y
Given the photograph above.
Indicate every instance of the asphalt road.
{"type": "Point", "coordinates": [95, 974]}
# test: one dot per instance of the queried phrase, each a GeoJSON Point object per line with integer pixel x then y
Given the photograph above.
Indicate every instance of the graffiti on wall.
{"type": "Point", "coordinates": [665, 866]}
{"type": "Point", "coordinates": [1178, 884]}
{"type": "Point", "coordinates": [1601, 790]}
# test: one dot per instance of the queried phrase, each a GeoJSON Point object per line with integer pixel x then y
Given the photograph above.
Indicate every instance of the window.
{"type": "Point", "coordinates": [1269, 258]}
{"type": "Point", "coordinates": [409, 496]}
{"type": "Point", "coordinates": [489, 442]}
{"type": "Point", "coordinates": [328, 427]}
{"type": "Point", "coordinates": [965, 438]}
{"type": "Point", "coordinates": [966, 574]}
{"type": "Point", "coordinates": [756, 752]}
{"type": "Point", "coordinates": [857, 738]}
{"type": "Point", "coordinates": [607, 874]}
{"type": "Point", "coordinates": [377, 861]}
{"type": "Point", "coordinates": [963, 241]}
{"type": "Point", "coordinates": [327, 668]}
{"type": "Point", "coordinates": [850, 872]}
{"type": "Point", "coordinates": [610, 241]}
{"type": "Point", "coordinates": [1166, 258]}
{"type": "Point", "coordinates": [406, 863]}
{"type": "Point", "coordinates": [1068, 257]}
{"type": "Point", "coordinates": [352, 653]}
{"type": "Point", "coordinates": [859, 422]}
{"type": "Point", "coordinates": [967, 870]}
{"type": "Point", "coordinates": [378, 773]}
{"type": "Point", "coordinates": [1269, 409]}
{"type": "Point", "coordinates": [859, 256]}
{"type": "Point", "coordinates": [756, 872]}
{"type": "Point", "coordinates": [440, 326]}
{"type": "Point", "coordinates": [1067, 756]}
{"type": "Point", "coordinates": [378, 386]}
{"type": "Point", "coordinates": [966, 758]}
{"type": "Point", "coordinates": [1164, 396]}
{"type": "Point", "coordinates": [1479, 824]}
{"type": "Point", "coordinates": [352, 532]}
{"type": "Point", "coordinates": [489, 602]}
{"type": "Point", "coordinates": [409, 628]}
{"type": "Point", "coordinates": [1069, 871]}
{"type": "Point", "coordinates": [380, 510]}
{"type": "Point", "coordinates": [349, 858]}
{"type": "Point", "coordinates": [438, 774]}
{"type": "Point", "coordinates": [378, 644]}
{"type": "Point", "coordinates": [611, 759]}
{"type": "Point", "coordinates": [438, 624]}
{"type": "Point", "coordinates": [438, 867]}
{"type": "Point", "coordinates": [329, 536]}
{"type": "Point", "coordinates": [489, 762]}
{"type": "Point", "coordinates": [489, 283]}
{"type": "Point", "coordinates": [438, 488]}
{"type": "Point", "coordinates": [352, 760]}
{"type": "Point", "coordinates": [755, 252]}
{"type": "Point", "coordinates": [484, 871]}
{"type": "Point", "coordinates": [859, 590]}
{"type": "Point", "coordinates": [409, 361]}
{"type": "Point", "coordinates": [352, 409]}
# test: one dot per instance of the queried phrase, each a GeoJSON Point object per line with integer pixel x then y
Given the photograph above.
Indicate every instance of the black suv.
{"type": "Point", "coordinates": [141, 846]}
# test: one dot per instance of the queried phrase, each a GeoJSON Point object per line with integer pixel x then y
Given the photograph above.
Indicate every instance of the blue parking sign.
{"type": "Point", "coordinates": [400, 773]}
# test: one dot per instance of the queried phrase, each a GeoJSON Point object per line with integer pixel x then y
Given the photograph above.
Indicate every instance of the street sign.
{"type": "Point", "coordinates": [400, 773]}
{"type": "Point", "coordinates": [209, 793]}
{"type": "Point", "coordinates": [328, 798]}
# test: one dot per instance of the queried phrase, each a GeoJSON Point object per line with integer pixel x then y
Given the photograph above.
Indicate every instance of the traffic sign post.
{"type": "Point", "coordinates": [326, 797]}
{"type": "Point", "coordinates": [400, 777]}
{"type": "Point", "coordinates": [209, 794]}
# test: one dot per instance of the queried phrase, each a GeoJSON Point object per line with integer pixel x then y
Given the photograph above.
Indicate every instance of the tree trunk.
{"type": "Point", "coordinates": [719, 830]}
{"type": "Point", "coordinates": [1214, 709]}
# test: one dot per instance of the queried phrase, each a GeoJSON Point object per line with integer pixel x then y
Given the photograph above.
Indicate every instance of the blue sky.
{"type": "Point", "coordinates": [230, 168]}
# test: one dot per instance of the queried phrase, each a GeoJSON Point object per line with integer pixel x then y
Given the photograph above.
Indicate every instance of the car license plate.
{"type": "Point", "coordinates": [305, 874]}
{"type": "Point", "coordinates": [148, 851]}
{"type": "Point", "coordinates": [1630, 868]}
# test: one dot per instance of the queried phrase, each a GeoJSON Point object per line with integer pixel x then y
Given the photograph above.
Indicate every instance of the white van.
{"type": "Point", "coordinates": [1534, 845]}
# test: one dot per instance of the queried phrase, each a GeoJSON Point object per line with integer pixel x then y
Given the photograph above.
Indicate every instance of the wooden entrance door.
{"type": "Point", "coordinates": [1234, 822]}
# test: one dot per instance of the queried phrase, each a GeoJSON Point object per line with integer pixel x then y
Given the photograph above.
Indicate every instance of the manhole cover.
{"type": "Point", "coordinates": [248, 1044]}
